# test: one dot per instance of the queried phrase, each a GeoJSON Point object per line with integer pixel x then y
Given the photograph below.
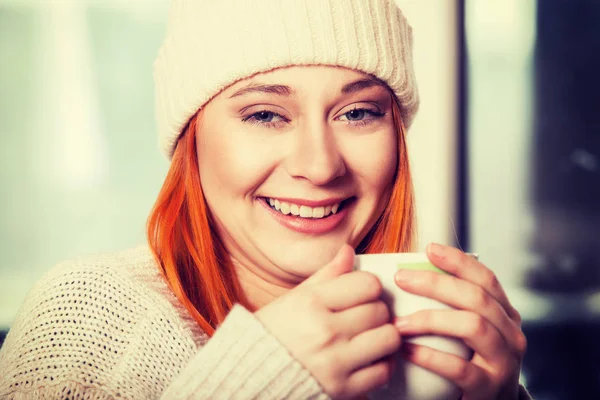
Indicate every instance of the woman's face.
{"type": "Point", "coordinates": [294, 163]}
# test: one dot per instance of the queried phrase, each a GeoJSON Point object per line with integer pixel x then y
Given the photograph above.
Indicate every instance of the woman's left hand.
{"type": "Point", "coordinates": [484, 319]}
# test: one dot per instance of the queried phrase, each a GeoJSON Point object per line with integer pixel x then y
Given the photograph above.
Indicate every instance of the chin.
{"type": "Point", "coordinates": [304, 259]}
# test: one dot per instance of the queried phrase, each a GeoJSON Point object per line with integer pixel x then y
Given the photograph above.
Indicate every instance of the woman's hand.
{"type": "Point", "coordinates": [484, 319]}
{"type": "Point", "coordinates": [335, 325]}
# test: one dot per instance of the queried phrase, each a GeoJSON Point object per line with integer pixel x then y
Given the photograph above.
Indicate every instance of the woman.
{"type": "Point", "coordinates": [285, 124]}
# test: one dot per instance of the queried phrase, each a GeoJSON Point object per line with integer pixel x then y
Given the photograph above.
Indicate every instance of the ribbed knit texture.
{"type": "Point", "coordinates": [109, 327]}
{"type": "Point", "coordinates": [212, 44]}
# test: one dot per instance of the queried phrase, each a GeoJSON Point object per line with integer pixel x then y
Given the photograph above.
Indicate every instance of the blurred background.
{"type": "Point", "coordinates": [505, 152]}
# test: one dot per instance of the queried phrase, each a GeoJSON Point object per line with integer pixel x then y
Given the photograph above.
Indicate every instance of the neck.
{"type": "Point", "coordinates": [259, 289]}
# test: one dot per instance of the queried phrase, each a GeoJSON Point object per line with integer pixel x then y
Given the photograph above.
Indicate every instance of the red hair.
{"type": "Point", "coordinates": [192, 256]}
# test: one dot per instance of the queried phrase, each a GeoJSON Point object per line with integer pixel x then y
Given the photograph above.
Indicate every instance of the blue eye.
{"type": "Point", "coordinates": [355, 115]}
{"type": "Point", "coordinates": [266, 118]}
{"type": "Point", "coordinates": [361, 116]}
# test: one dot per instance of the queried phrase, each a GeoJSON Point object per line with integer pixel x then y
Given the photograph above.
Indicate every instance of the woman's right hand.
{"type": "Point", "coordinates": [336, 326]}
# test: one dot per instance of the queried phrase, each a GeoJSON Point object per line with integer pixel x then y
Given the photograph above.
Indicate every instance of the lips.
{"type": "Point", "coordinates": [303, 211]}
{"type": "Point", "coordinates": [315, 224]}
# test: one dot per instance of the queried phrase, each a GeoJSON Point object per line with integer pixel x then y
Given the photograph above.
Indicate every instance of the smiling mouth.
{"type": "Point", "coordinates": [302, 211]}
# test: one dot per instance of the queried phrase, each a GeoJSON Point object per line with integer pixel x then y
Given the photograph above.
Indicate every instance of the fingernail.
{"type": "Point", "coordinates": [436, 249]}
{"type": "Point", "coordinates": [404, 275]}
{"type": "Point", "coordinates": [401, 323]}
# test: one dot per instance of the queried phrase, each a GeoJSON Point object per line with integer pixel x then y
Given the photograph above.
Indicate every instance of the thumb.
{"type": "Point", "coordinates": [342, 263]}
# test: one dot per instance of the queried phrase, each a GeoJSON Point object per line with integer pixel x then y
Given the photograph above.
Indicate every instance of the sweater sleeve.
{"type": "Point", "coordinates": [243, 360]}
{"type": "Point", "coordinates": [90, 332]}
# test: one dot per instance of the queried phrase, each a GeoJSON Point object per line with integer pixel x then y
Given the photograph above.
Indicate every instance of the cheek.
{"type": "Point", "coordinates": [229, 162]}
{"type": "Point", "coordinates": [374, 160]}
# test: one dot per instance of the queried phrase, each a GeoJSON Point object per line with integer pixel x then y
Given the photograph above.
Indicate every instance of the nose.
{"type": "Point", "coordinates": [316, 155]}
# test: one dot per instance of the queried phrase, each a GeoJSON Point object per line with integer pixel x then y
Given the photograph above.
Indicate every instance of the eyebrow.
{"type": "Point", "coordinates": [362, 84]}
{"type": "Point", "coordinates": [286, 91]}
{"type": "Point", "coordinates": [280, 90]}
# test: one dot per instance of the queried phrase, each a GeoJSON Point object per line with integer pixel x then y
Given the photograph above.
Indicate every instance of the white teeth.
{"type": "Point", "coordinates": [318, 212]}
{"type": "Point", "coordinates": [303, 211]}
{"type": "Point", "coordinates": [294, 209]}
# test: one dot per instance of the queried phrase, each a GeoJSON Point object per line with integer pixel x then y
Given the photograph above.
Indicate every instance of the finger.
{"type": "Point", "coordinates": [342, 263]}
{"type": "Point", "coordinates": [465, 267]}
{"type": "Point", "coordinates": [371, 377]}
{"type": "Point", "coordinates": [364, 317]}
{"type": "Point", "coordinates": [473, 381]}
{"type": "Point", "coordinates": [444, 288]}
{"type": "Point", "coordinates": [349, 290]}
{"type": "Point", "coordinates": [477, 332]}
{"type": "Point", "coordinates": [370, 346]}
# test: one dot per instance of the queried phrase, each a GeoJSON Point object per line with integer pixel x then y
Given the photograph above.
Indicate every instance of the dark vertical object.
{"type": "Point", "coordinates": [462, 167]}
{"type": "Point", "coordinates": [566, 146]}
{"type": "Point", "coordinates": [562, 361]}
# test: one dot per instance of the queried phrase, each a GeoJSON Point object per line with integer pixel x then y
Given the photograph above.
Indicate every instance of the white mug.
{"type": "Point", "coordinates": [410, 381]}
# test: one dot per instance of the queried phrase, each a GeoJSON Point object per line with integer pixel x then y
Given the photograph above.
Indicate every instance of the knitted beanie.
{"type": "Point", "coordinates": [211, 44]}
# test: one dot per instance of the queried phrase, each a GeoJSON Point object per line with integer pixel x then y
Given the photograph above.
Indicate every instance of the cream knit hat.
{"type": "Point", "coordinates": [211, 44]}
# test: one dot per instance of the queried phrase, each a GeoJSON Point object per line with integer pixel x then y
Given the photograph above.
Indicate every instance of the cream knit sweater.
{"type": "Point", "coordinates": [109, 327]}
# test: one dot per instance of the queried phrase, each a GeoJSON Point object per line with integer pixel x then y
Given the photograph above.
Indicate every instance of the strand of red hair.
{"type": "Point", "coordinates": [191, 256]}
{"type": "Point", "coordinates": [395, 231]}
{"type": "Point", "coordinates": [194, 261]}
